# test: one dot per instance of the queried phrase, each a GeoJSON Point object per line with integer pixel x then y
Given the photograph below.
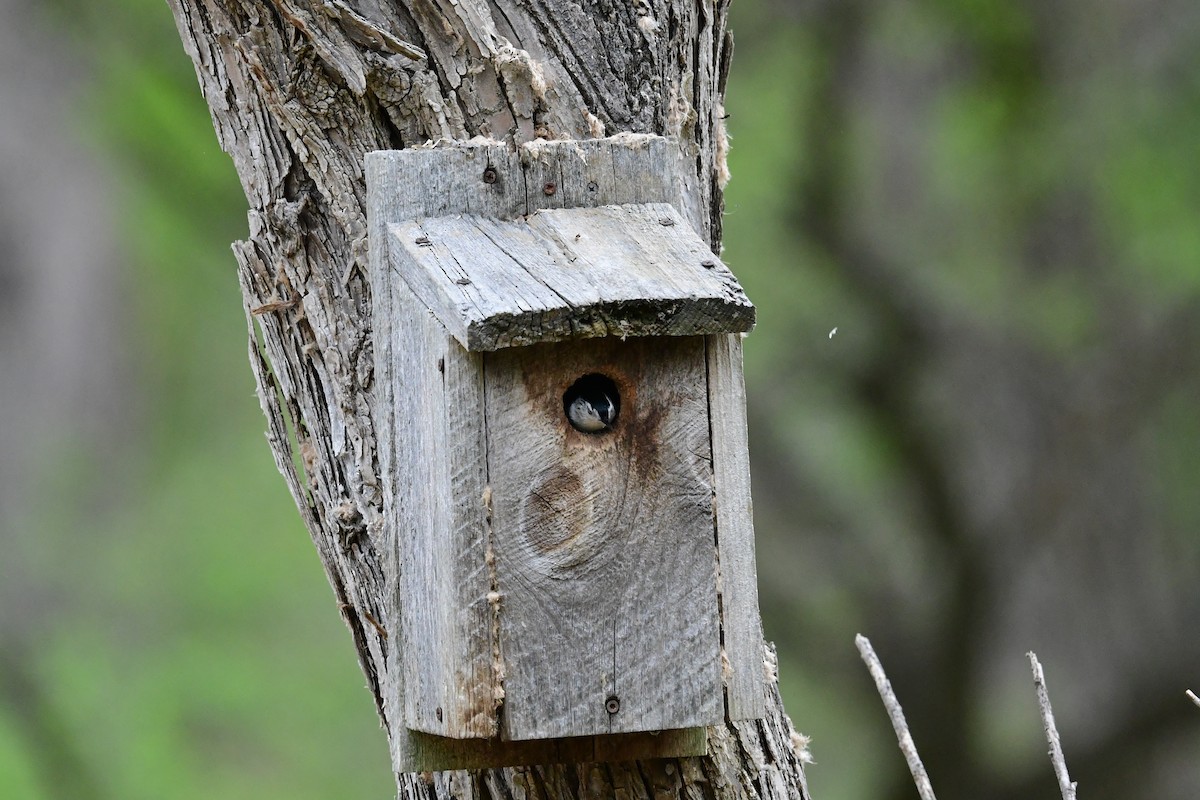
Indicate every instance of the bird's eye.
{"type": "Point", "coordinates": [592, 403]}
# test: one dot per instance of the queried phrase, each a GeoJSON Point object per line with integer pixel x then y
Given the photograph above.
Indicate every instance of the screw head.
{"type": "Point", "coordinates": [708, 264]}
{"type": "Point", "coordinates": [549, 189]}
{"type": "Point", "coordinates": [612, 705]}
{"type": "Point", "coordinates": [489, 175]}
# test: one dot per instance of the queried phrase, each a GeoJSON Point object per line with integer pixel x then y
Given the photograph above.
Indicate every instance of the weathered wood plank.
{"type": "Point", "coordinates": [444, 640]}
{"type": "Point", "coordinates": [432, 451]}
{"type": "Point", "coordinates": [646, 252]}
{"type": "Point", "coordinates": [476, 289]}
{"type": "Point", "coordinates": [604, 543]}
{"type": "Point", "coordinates": [627, 168]}
{"type": "Point", "coordinates": [492, 179]}
{"type": "Point", "coordinates": [629, 270]}
{"type": "Point", "coordinates": [741, 630]}
{"type": "Point", "coordinates": [479, 176]}
{"type": "Point", "coordinates": [380, 207]}
{"type": "Point", "coordinates": [417, 506]}
{"type": "Point", "coordinates": [423, 752]}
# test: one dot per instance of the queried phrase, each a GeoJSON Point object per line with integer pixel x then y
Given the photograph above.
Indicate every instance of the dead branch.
{"type": "Point", "coordinates": [1065, 785]}
{"type": "Point", "coordinates": [907, 746]}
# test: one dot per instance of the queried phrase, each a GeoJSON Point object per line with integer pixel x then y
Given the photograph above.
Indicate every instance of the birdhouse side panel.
{"type": "Point", "coordinates": [605, 556]}
{"type": "Point", "coordinates": [444, 642]}
{"type": "Point", "coordinates": [740, 622]}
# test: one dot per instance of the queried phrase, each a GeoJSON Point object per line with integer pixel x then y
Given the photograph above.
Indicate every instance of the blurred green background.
{"type": "Point", "coordinates": [995, 204]}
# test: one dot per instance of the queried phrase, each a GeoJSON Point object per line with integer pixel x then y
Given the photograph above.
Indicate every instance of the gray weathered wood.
{"type": "Point", "coordinates": [443, 644]}
{"type": "Point", "coordinates": [619, 170]}
{"type": "Point", "coordinates": [475, 630]}
{"type": "Point", "coordinates": [741, 629]}
{"type": "Point", "coordinates": [424, 384]}
{"type": "Point", "coordinates": [604, 544]}
{"type": "Point", "coordinates": [420, 752]}
{"type": "Point", "coordinates": [432, 181]}
{"type": "Point", "coordinates": [426, 640]}
{"type": "Point", "coordinates": [300, 91]}
{"type": "Point", "coordinates": [475, 225]}
{"type": "Point", "coordinates": [501, 180]}
{"type": "Point", "coordinates": [630, 270]}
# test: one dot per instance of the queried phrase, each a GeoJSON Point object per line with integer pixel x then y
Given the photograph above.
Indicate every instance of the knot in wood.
{"type": "Point", "coordinates": [558, 523]}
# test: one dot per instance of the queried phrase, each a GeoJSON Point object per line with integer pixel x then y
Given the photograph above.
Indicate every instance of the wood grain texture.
{"type": "Point", "coordinates": [741, 628]}
{"type": "Point", "coordinates": [443, 642]}
{"type": "Point", "coordinates": [630, 270]}
{"type": "Point", "coordinates": [300, 91]}
{"type": "Point", "coordinates": [423, 752]}
{"type": "Point", "coordinates": [495, 241]}
{"type": "Point", "coordinates": [504, 180]}
{"type": "Point", "coordinates": [429, 392]}
{"type": "Point", "coordinates": [558, 273]}
{"type": "Point", "coordinates": [433, 181]}
{"type": "Point", "coordinates": [604, 543]}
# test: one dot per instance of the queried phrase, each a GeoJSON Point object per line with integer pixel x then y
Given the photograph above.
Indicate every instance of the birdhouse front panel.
{"type": "Point", "coordinates": [603, 538]}
{"type": "Point", "coordinates": [561, 436]}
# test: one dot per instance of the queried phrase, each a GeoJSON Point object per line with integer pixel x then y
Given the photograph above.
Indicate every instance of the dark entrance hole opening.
{"type": "Point", "coordinates": [592, 404]}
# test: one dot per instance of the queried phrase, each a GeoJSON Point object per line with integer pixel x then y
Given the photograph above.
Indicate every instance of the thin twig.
{"type": "Point", "coordinates": [1193, 697]}
{"type": "Point", "coordinates": [1065, 785]}
{"type": "Point", "coordinates": [907, 747]}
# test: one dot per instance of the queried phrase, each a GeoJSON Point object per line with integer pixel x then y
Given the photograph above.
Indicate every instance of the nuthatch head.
{"type": "Point", "coordinates": [592, 412]}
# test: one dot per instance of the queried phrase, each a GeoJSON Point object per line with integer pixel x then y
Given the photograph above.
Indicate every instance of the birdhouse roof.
{"type": "Point", "coordinates": [624, 270]}
{"type": "Point", "coordinates": [549, 241]}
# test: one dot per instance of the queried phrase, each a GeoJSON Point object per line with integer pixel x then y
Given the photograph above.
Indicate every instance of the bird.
{"type": "Point", "coordinates": [592, 412]}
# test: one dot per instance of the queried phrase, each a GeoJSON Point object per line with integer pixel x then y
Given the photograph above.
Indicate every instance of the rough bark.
{"type": "Point", "coordinates": [300, 91]}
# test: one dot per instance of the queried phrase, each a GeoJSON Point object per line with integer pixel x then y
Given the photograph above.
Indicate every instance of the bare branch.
{"type": "Point", "coordinates": [1065, 785]}
{"type": "Point", "coordinates": [907, 746]}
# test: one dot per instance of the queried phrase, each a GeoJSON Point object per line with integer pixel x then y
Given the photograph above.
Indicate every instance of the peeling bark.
{"type": "Point", "coordinates": [300, 91]}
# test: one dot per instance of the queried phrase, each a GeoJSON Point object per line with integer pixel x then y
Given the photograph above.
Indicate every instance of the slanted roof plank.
{"type": "Point", "coordinates": [634, 270]}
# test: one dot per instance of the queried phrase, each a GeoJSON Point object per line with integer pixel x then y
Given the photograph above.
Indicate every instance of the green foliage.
{"type": "Point", "coordinates": [18, 777]}
{"type": "Point", "coordinates": [203, 655]}
{"type": "Point", "coordinates": [946, 182]}
{"type": "Point", "coordinates": [209, 659]}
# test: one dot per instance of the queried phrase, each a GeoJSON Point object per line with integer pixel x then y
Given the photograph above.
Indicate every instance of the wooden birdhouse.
{"type": "Point", "coordinates": [563, 449]}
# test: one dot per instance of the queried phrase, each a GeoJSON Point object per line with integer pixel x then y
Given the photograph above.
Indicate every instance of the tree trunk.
{"type": "Point", "coordinates": [300, 91]}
